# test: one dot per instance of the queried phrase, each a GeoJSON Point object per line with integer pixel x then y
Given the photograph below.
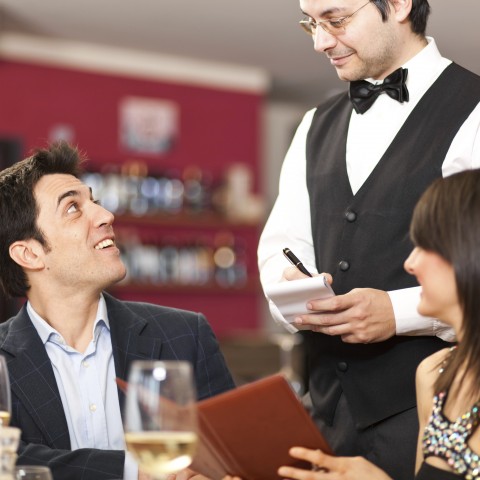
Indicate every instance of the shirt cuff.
{"type": "Point", "coordinates": [279, 318]}
{"type": "Point", "coordinates": [410, 322]}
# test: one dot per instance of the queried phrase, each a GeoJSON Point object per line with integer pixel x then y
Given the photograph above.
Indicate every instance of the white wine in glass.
{"type": "Point", "coordinates": [5, 397]}
{"type": "Point", "coordinates": [160, 416]}
{"type": "Point", "coordinates": [32, 472]}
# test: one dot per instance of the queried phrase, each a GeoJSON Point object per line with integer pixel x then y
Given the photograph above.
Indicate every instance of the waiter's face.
{"type": "Point", "coordinates": [361, 46]}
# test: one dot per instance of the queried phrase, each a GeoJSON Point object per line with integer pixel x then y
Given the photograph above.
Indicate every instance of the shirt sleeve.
{"type": "Point", "coordinates": [289, 222]}
{"type": "Point", "coordinates": [464, 152]}
{"type": "Point", "coordinates": [410, 322]}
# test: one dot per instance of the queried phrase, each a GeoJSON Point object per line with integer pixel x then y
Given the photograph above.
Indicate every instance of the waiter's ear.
{"type": "Point", "coordinates": [401, 9]}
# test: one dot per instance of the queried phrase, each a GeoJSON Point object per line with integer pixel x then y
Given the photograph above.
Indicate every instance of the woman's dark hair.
{"type": "Point", "coordinates": [19, 210]}
{"type": "Point", "coordinates": [418, 15]}
{"type": "Point", "coordinates": [446, 221]}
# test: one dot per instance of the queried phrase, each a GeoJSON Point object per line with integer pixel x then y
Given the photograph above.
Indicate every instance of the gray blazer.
{"type": "Point", "coordinates": [139, 331]}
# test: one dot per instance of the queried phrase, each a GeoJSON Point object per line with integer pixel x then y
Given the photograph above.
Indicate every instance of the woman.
{"type": "Point", "coordinates": [446, 261]}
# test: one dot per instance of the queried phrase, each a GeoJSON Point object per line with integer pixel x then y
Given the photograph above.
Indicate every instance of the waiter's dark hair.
{"type": "Point", "coordinates": [19, 209]}
{"type": "Point", "coordinates": [418, 15]}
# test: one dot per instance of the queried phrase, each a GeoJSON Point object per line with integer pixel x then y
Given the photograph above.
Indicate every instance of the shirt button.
{"type": "Point", "coordinates": [342, 366]}
{"type": "Point", "coordinates": [344, 265]}
{"type": "Point", "coordinates": [93, 407]}
{"type": "Point", "coordinates": [85, 364]}
{"type": "Point", "coordinates": [350, 216]}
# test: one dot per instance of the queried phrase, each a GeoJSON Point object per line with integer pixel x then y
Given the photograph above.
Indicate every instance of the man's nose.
{"type": "Point", "coordinates": [102, 216]}
{"type": "Point", "coordinates": [323, 40]}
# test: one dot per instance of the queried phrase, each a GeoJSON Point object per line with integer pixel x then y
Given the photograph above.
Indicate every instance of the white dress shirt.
{"type": "Point", "coordinates": [369, 135]}
{"type": "Point", "coordinates": [86, 382]}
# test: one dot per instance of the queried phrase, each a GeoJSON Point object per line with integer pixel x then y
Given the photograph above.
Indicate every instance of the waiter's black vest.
{"type": "Point", "coordinates": [363, 240]}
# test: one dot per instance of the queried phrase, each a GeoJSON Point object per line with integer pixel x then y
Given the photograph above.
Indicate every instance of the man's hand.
{"type": "Point", "coordinates": [363, 315]}
{"type": "Point", "coordinates": [187, 474]}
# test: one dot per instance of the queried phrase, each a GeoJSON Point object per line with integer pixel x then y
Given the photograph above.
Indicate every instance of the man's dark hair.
{"type": "Point", "coordinates": [418, 16]}
{"type": "Point", "coordinates": [19, 210]}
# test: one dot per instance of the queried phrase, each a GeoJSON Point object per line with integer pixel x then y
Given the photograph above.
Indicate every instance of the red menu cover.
{"type": "Point", "coordinates": [249, 430]}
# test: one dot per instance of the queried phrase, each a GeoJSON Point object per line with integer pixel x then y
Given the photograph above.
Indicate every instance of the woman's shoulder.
{"type": "Point", "coordinates": [433, 363]}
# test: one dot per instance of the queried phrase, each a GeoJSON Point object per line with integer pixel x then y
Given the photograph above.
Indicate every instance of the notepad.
{"type": "Point", "coordinates": [291, 298]}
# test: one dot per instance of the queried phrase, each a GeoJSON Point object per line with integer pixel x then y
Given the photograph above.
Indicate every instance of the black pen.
{"type": "Point", "coordinates": [295, 261]}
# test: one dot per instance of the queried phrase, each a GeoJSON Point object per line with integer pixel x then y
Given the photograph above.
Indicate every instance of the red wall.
{"type": "Point", "coordinates": [217, 127]}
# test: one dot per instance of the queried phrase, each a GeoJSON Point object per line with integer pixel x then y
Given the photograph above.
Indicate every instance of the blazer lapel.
{"type": "Point", "coordinates": [128, 344]}
{"type": "Point", "coordinates": [33, 381]}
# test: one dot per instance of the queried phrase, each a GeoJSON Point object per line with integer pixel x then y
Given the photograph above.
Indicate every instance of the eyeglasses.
{"type": "Point", "coordinates": [333, 26]}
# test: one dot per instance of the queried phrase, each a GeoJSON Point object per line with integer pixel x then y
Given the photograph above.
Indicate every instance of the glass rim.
{"type": "Point", "coordinates": [32, 468]}
{"type": "Point", "coordinates": [160, 363]}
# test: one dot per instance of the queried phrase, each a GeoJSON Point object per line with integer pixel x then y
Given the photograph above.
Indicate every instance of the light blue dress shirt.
{"type": "Point", "coordinates": [86, 382]}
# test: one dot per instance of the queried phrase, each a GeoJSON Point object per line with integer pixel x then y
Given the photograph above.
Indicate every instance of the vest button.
{"type": "Point", "coordinates": [344, 265]}
{"type": "Point", "coordinates": [342, 366]}
{"type": "Point", "coordinates": [350, 216]}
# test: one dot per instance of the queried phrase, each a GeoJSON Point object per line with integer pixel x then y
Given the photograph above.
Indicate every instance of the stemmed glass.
{"type": "Point", "coordinates": [5, 397]}
{"type": "Point", "coordinates": [160, 416]}
{"type": "Point", "coordinates": [32, 472]}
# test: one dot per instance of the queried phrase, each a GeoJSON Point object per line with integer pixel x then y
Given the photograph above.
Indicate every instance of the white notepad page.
{"type": "Point", "coordinates": [291, 297]}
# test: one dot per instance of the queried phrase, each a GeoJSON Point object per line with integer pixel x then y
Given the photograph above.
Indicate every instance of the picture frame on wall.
{"type": "Point", "coordinates": [148, 125]}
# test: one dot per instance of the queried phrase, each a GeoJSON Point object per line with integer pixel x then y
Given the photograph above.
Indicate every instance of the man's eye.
{"type": "Point", "coordinates": [72, 208]}
{"type": "Point", "coordinates": [337, 22]}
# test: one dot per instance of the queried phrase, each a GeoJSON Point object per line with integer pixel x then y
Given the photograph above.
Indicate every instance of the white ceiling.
{"type": "Point", "coordinates": [257, 33]}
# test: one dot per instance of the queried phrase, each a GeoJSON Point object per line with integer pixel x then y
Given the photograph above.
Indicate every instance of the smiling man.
{"type": "Point", "coordinates": [71, 339]}
{"type": "Point", "coordinates": [354, 171]}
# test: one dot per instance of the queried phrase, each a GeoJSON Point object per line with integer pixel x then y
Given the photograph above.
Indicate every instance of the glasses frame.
{"type": "Point", "coordinates": [333, 26]}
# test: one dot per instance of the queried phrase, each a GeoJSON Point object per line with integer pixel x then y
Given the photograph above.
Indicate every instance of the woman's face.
{"type": "Point", "coordinates": [439, 298]}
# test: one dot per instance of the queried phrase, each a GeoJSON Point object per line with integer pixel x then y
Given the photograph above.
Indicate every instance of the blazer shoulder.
{"type": "Point", "coordinates": [160, 312]}
{"type": "Point", "coordinates": [168, 320]}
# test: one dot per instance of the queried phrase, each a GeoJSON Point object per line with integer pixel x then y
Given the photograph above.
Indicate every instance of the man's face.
{"type": "Point", "coordinates": [81, 252]}
{"type": "Point", "coordinates": [367, 47]}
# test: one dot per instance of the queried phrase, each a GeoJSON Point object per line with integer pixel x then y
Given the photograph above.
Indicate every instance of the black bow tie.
{"type": "Point", "coordinates": [363, 94]}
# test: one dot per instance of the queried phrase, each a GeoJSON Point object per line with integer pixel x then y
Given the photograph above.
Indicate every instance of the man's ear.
{"type": "Point", "coordinates": [28, 254]}
{"type": "Point", "coordinates": [401, 9]}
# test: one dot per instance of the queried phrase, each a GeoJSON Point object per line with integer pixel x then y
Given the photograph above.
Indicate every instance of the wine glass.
{"type": "Point", "coordinates": [160, 416]}
{"type": "Point", "coordinates": [5, 397]}
{"type": "Point", "coordinates": [9, 441]}
{"type": "Point", "coordinates": [32, 472]}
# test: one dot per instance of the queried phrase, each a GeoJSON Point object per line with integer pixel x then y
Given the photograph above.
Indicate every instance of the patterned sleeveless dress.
{"type": "Point", "coordinates": [448, 440]}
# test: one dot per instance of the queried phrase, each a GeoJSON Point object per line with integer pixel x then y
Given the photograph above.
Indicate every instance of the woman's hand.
{"type": "Point", "coordinates": [331, 468]}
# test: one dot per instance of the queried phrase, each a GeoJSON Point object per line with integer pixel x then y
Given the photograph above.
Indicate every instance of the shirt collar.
{"type": "Point", "coordinates": [45, 330]}
{"type": "Point", "coordinates": [423, 69]}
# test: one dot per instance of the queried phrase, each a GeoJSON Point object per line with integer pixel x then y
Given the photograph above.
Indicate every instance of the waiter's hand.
{"type": "Point", "coordinates": [293, 273]}
{"type": "Point", "coordinates": [363, 315]}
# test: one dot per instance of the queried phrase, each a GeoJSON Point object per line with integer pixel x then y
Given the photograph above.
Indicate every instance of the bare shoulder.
{"type": "Point", "coordinates": [429, 366]}
{"type": "Point", "coordinates": [427, 374]}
